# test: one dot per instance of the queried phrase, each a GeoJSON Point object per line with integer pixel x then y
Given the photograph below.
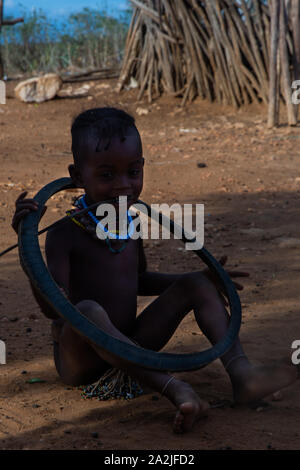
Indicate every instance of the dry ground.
{"type": "Point", "coordinates": [251, 181]}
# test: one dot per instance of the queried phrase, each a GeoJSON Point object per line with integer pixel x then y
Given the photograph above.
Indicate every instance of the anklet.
{"type": "Point", "coordinates": [167, 383]}
{"type": "Point", "coordinates": [233, 359]}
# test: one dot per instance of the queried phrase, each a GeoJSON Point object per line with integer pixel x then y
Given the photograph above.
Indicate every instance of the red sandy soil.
{"type": "Point", "coordinates": [251, 180]}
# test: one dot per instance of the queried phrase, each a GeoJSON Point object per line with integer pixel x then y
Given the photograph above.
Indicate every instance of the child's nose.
{"type": "Point", "coordinates": [122, 182]}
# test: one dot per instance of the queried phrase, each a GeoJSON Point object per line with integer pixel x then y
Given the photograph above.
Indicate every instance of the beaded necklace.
{"type": "Point", "coordinates": [85, 223]}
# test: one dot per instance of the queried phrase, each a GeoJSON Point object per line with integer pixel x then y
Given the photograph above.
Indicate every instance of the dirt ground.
{"type": "Point", "coordinates": [250, 187]}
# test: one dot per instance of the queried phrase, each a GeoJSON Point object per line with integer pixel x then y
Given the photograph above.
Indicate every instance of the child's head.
{"type": "Point", "coordinates": [107, 153]}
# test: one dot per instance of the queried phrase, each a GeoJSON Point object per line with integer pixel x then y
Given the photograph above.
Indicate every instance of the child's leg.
{"type": "Point", "coordinates": [156, 325]}
{"type": "Point", "coordinates": [78, 361]}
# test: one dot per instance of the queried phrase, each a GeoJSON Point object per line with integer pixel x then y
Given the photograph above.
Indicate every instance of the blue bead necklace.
{"type": "Point", "coordinates": [115, 236]}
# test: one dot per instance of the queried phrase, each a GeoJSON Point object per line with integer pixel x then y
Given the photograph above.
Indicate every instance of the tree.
{"type": "Point", "coordinates": [3, 22]}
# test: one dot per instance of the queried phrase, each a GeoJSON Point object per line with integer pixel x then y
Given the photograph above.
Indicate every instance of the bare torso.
{"type": "Point", "coordinates": [93, 272]}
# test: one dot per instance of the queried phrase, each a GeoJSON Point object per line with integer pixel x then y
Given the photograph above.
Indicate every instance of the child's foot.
{"type": "Point", "coordinates": [190, 406]}
{"type": "Point", "coordinates": [254, 383]}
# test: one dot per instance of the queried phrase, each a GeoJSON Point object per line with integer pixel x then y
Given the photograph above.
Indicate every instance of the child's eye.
{"type": "Point", "coordinates": [135, 172]}
{"type": "Point", "coordinates": [107, 174]}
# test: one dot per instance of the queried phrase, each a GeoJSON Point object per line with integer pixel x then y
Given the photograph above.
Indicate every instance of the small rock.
{"type": "Point", "coordinates": [133, 83]}
{"type": "Point", "coordinates": [201, 165]}
{"type": "Point", "coordinates": [102, 86]}
{"type": "Point", "coordinates": [142, 111]}
{"type": "Point", "coordinates": [239, 125]}
{"type": "Point", "coordinates": [260, 408]}
{"type": "Point", "coordinates": [188, 130]}
{"type": "Point", "coordinates": [277, 396]}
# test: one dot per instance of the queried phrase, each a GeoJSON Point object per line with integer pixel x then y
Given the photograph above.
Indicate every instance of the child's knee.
{"type": "Point", "coordinates": [197, 284]}
{"type": "Point", "coordinates": [93, 311]}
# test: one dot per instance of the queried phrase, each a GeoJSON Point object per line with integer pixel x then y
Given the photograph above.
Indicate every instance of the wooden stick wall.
{"type": "Point", "coordinates": [230, 51]}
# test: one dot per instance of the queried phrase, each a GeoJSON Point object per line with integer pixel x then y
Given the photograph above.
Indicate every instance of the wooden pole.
{"type": "Point", "coordinates": [284, 57]}
{"type": "Point", "coordinates": [295, 20]}
{"type": "Point", "coordinates": [273, 78]}
{"type": "Point", "coordinates": [5, 23]}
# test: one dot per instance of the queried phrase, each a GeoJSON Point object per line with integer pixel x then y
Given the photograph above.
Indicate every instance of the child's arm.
{"type": "Point", "coordinates": [57, 249]}
{"type": "Point", "coordinates": [153, 283]}
{"type": "Point", "coordinates": [23, 207]}
{"type": "Point", "coordinates": [57, 254]}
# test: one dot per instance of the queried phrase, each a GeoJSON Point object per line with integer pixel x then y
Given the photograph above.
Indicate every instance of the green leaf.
{"type": "Point", "coordinates": [35, 380]}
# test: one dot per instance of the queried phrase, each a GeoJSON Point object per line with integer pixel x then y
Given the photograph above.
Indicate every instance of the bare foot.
{"type": "Point", "coordinates": [190, 406]}
{"type": "Point", "coordinates": [255, 383]}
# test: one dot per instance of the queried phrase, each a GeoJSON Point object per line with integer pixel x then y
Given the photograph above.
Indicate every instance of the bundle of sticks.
{"type": "Point", "coordinates": [215, 49]}
{"type": "Point", "coordinates": [220, 50]}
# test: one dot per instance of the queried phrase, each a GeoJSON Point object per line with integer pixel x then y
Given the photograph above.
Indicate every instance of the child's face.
{"type": "Point", "coordinates": [117, 171]}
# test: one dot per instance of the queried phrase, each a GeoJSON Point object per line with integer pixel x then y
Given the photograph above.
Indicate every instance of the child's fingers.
{"type": "Point", "coordinates": [22, 199]}
{"type": "Point", "coordinates": [17, 218]}
{"type": "Point", "coordinates": [22, 195]}
{"type": "Point", "coordinates": [27, 204]}
{"type": "Point", "coordinates": [223, 260]}
{"type": "Point", "coordinates": [18, 215]}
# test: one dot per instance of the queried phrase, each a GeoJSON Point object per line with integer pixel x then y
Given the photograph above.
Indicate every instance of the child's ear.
{"type": "Point", "coordinates": [76, 176]}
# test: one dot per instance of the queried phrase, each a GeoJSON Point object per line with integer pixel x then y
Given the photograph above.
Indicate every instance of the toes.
{"type": "Point", "coordinates": [178, 423]}
{"type": "Point", "coordinates": [186, 417]}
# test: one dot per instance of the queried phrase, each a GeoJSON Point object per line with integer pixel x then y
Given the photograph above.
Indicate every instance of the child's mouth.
{"type": "Point", "coordinates": [116, 200]}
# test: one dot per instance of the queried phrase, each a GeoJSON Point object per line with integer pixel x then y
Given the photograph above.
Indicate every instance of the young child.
{"type": "Point", "coordinates": [104, 279]}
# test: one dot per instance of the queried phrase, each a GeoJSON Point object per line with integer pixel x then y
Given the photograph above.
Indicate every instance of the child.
{"type": "Point", "coordinates": [104, 279]}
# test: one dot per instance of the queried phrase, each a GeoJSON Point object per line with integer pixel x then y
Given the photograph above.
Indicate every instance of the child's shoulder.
{"type": "Point", "coordinates": [62, 233]}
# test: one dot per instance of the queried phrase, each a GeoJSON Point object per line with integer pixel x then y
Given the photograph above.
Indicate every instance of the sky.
{"type": "Point", "coordinates": [65, 7]}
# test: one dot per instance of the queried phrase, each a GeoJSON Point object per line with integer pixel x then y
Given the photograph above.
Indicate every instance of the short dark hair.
{"type": "Point", "coordinates": [100, 125]}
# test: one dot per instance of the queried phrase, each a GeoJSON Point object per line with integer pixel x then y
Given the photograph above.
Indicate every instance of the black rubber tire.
{"type": "Point", "coordinates": [34, 266]}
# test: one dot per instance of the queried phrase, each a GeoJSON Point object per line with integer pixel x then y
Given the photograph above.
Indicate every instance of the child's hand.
{"type": "Point", "coordinates": [232, 274]}
{"type": "Point", "coordinates": [23, 207]}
